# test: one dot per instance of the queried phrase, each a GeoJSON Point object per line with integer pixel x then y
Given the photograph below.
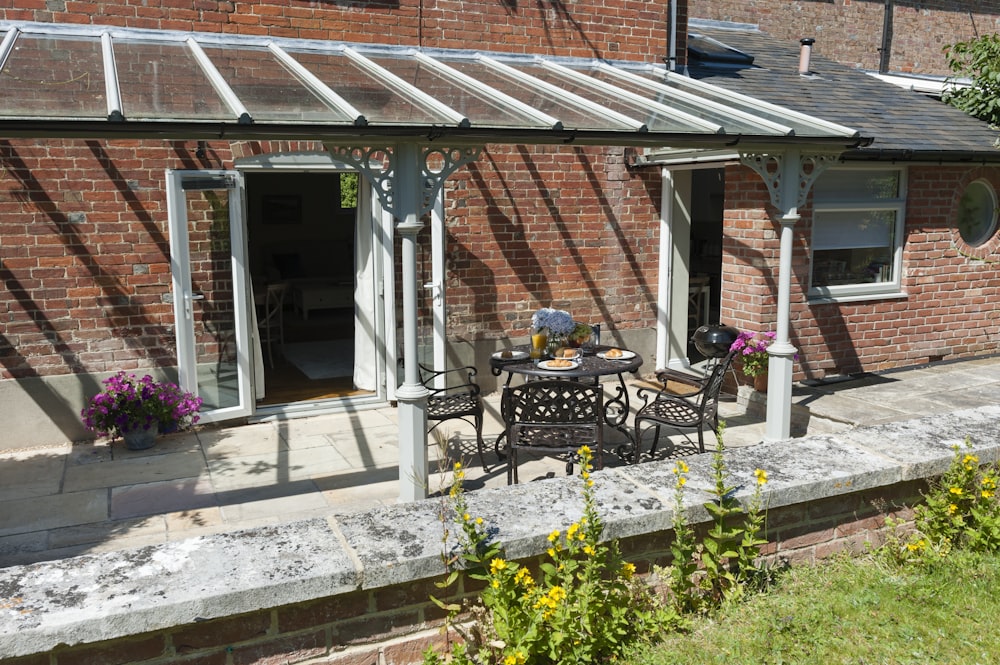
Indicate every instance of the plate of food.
{"type": "Point", "coordinates": [568, 353]}
{"type": "Point", "coordinates": [616, 354]}
{"type": "Point", "coordinates": [510, 355]}
{"type": "Point", "coordinates": [558, 364]}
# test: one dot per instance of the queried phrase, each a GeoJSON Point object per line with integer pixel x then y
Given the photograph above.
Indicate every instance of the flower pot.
{"type": "Point", "coordinates": [760, 383]}
{"type": "Point", "coordinates": [141, 438]}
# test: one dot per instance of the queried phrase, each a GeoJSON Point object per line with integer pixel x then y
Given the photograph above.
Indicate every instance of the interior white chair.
{"type": "Point", "coordinates": [271, 321]}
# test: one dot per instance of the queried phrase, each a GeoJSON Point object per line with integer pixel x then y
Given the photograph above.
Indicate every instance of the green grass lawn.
{"type": "Point", "coordinates": [857, 611]}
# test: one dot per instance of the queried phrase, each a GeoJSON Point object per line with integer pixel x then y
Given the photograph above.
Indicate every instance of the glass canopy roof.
{"type": "Point", "coordinates": [93, 81]}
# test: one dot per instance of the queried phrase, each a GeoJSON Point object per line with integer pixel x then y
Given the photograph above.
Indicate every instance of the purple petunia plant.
{"type": "Point", "coordinates": [129, 403]}
{"type": "Point", "coordinates": [553, 321]}
{"type": "Point", "coordinates": [751, 351]}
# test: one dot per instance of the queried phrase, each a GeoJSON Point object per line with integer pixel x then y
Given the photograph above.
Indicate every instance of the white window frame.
{"type": "Point", "coordinates": [846, 203]}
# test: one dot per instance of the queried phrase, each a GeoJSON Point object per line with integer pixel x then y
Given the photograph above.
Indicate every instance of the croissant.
{"type": "Point", "coordinates": [613, 353]}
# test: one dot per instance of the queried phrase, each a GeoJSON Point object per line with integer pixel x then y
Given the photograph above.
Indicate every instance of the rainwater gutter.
{"type": "Point", "coordinates": [672, 46]}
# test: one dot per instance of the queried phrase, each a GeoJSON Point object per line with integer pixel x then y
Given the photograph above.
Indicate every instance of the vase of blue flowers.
{"type": "Point", "coordinates": [552, 324]}
{"type": "Point", "coordinates": [138, 409]}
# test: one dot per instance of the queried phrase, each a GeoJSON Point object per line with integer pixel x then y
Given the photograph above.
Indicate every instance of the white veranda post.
{"type": "Point", "coordinates": [408, 177]}
{"type": "Point", "coordinates": [789, 175]}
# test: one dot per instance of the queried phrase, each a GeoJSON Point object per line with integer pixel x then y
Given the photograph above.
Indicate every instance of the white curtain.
{"type": "Point", "coordinates": [364, 294]}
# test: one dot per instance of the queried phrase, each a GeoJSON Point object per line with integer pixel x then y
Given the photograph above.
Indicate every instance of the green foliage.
{"type": "Point", "coordinates": [961, 509]}
{"type": "Point", "coordinates": [582, 604]}
{"type": "Point", "coordinates": [851, 610]}
{"type": "Point", "coordinates": [704, 575]}
{"type": "Point", "coordinates": [979, 60]}
{"type": "Point", "coordinates": [349, 189]}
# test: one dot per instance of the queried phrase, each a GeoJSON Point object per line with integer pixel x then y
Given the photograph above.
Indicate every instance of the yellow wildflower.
{"type": "Point", "coordinates": [952, 508]}
{"type": "Point", "coordinates": [496, 584]}
{"type": "Point", "coordinates": [588, 550]}
{"type": "Point", "coordinates": [957, 491]}
{"type": "Point", "coordinates": [554, 536]}
{"type": "Point", "coordinates": [681, 481]}
{"type": "Point", "coordinates": [628, 570]}
{"type": "Point", "coordinates": [479, 520]}
{"type": "Point", "coordinates": [516, 658]}
{"type": "Point", "coordinates": [590, 483]}
{"type": "Point", "coordinates": [496, 565]}
{"type": "Point", "coordinates": [571, 531]}
{"type": "Point", "coordinates": [987, 494]}
{"type": "Point", "coordinates": [584, 451]}
{"type": "Point", "coordinates": [524, 577]}
{"type": "Point", "coordinates": [466, 517]}
{"type": "Point", "coordinates": [551, 552]}
{"type": "Point", "coordinates": [761, 476]}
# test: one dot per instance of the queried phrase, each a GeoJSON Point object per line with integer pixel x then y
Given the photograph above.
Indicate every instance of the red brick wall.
{"type": "Point", "coordinates": [530, 227]}
{"type": "Point", "coordinates": [851, 31]}
{"type": "Point", "coordinates": [952, 289]}
{"type": "Point", "coordinates": [86, 250]}
{"type": "Point", "coordinates": [399, 622]}
{"type": "Point", "coordinates": [622, 29]}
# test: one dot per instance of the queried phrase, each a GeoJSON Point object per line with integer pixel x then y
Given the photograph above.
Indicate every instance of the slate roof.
{"type": "Point", "coordinates": [906, 124]}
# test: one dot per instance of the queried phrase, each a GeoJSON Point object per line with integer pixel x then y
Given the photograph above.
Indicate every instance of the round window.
{"type": "Point", "coordinates": [977, 213]}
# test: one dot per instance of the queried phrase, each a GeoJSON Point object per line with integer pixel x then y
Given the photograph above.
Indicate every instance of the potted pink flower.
{"type": "Point", "coordinates": [751, 355]}
{"type": "Point", "coordinates": [138, 409]}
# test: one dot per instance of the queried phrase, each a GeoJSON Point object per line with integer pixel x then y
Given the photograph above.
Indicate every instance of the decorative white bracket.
{"type": "Point", "coordinates": [770, 166]}
{"type": "Point", "coordinates": [381, 167]}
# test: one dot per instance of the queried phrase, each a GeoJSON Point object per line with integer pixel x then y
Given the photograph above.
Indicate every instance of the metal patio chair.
{"type": "Point", "coordinates": [695, 410]}
{"type": "Point", "coordinates": [460, 399]}
{"type": "Point", "coordinates": [553, 415]}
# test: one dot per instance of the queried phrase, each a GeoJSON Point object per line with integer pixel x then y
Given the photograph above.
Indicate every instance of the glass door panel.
{"type": "Point", "coordinates": [210, 294]}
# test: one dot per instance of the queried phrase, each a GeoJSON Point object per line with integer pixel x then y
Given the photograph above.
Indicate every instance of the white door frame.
{"type": "Point", "coordinates": [383, 228]}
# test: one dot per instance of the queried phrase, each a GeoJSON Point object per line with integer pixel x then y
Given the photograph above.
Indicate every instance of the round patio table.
{"type": "Point", "coordinates": [591, 366]}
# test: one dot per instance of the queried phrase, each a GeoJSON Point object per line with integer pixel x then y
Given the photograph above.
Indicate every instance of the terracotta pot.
{"type": "Point", "coordinates": [760, 383]}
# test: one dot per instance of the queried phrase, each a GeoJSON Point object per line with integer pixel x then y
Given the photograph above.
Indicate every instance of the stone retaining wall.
{"type": "Point", "coordinates": [354, 588]}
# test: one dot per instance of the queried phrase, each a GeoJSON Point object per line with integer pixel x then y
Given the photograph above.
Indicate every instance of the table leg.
{"type": "Point", "coordinates": [616, 410]}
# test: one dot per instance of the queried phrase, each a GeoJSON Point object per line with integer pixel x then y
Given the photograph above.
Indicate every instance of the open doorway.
{"type": "Point", "coordinates": [303, 260]}
{"type": "Point", "coordinates": [705, 279]}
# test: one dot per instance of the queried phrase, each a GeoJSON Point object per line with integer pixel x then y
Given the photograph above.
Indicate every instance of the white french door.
{"type": "Point", "coordinates": [211, 312]}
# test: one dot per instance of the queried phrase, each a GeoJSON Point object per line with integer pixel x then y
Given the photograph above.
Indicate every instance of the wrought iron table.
{"type": "Point", "coordinates": [590, 366]}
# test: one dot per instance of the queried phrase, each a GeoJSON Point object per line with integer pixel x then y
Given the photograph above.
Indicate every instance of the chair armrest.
{"type": "Point", "coordinates": [466, 374]}
{"type": "Point", "coordinates": [665, 375]}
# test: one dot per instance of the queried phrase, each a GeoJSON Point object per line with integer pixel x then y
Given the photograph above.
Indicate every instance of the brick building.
{"type": "Point", "coordinates": [888, 36]}
{"type": "Point", "coordinates": [886, 269]}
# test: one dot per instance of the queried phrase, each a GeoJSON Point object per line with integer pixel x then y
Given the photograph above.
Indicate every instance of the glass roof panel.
{"type": "Point", "coordinates": [732, 124]}
{"type": "Point", "coordinates": [378, 102]}
{"type": "Point", "coordinates": [477, 105]}
{"type": "Point", "coordinates": [268, 89]}
{"type": "Point", "coordinates": [654, 118]}
{"type": "Point", "coordinates": [571, 115]}
{"type": "Point", "coordinates": [163, 80]}
{"type": "Point", "coordinates": [722, 96]}
{"type": "Point", "coordinates": [54, 76]}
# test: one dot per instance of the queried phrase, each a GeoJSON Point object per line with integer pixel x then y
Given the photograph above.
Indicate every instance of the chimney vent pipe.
{"type": "Point", "coordinates": [804, 54]}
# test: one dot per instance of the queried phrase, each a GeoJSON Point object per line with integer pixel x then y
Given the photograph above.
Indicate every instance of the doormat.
{"type": "Point", "coordinates": [322, 360]}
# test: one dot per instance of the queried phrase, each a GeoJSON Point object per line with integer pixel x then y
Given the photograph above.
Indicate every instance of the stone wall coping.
{"type": "Point", "coordinates": [104, 596]}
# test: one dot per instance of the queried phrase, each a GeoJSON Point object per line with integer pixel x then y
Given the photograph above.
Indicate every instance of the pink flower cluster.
{"type": "Point", "coordinates": [751, 351]}
{"type": "Point", "coordinates": [128, 403]}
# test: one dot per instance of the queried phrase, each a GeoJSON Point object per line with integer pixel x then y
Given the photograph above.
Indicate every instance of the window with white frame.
{"type": "Point", "coordinates": [857, 232]}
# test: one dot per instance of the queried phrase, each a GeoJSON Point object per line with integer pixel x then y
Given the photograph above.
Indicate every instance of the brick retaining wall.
{"type": "Point", "coordinates": [355, 588]}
